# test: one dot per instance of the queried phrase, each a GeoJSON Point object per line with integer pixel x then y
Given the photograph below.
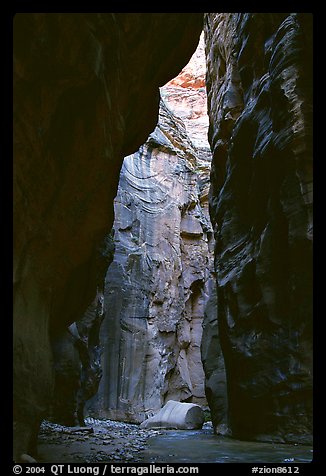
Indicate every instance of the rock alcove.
{"type": "Point", "coordinates": [85, 97]}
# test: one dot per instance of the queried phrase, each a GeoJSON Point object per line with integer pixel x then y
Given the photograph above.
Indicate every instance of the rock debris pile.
{"type": "Point", "coordinates": [99, 441]}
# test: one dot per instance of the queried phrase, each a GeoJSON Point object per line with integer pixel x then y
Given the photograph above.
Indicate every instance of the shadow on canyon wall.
{"type": "Point", "coordinates": [85, 96]}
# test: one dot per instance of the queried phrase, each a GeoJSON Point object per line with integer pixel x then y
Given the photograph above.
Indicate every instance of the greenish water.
{"type": "Point", "coordinates": [205, 447]}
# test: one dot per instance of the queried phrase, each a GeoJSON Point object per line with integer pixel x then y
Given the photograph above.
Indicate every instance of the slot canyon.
{"type": "Point", "coordinates": [162, 232]}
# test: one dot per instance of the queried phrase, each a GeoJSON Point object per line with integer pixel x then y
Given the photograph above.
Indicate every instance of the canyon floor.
{"type": "Point", "coordinates": [99, 441]}
{"type": "Point", "coordinates": [110, 441]}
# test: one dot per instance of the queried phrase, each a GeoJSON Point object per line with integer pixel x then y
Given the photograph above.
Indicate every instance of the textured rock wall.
{"type": "Point", "coordinates": [85, 95]}
{"type": "Point", "coordinates": [77, 365]}
{"type": "Point", "coordinates": [214, 365]}
{"type": "Point", "coordinates": [186, 96]}
{"type": "Point", "coordinates": [259, 101]}
{"type": "Point", "coordinates": [157, 284]}
{"type": "Point", "coordinates": [77, 357]}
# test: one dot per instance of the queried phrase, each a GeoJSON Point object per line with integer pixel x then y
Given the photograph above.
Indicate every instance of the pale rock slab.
{"type": "Point", "coordinates": [176, 415]}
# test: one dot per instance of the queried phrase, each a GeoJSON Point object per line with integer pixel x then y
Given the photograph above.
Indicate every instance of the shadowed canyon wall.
{"type": "Point", "coordinates": [85, 96]}
{"type": "Point", "coordinates": [259, 85]}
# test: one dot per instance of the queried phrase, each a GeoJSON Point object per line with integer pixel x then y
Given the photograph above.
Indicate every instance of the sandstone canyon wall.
{"type": "Point", "coordinates": [260, 103]}
{"type": "Point", "coordinates": [186, 96]}
{"type": "Point", "coordinates": [85, 96]}
{"type": "Point", "coordinates": [157, 285]}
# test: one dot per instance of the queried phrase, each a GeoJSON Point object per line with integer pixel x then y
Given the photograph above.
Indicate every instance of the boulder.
{"type": "Point", "coordinates": [177, 415]}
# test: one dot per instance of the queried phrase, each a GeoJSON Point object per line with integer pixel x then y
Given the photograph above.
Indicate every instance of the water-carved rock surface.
{"type": "Point", "coordinates": [186, 96]}
{"type": "Point", "coordinates": [259, 102]}
{"type": "Point", "coordinates": [157, 284]}
{"type": "Point", "coordinates": [85, 95]}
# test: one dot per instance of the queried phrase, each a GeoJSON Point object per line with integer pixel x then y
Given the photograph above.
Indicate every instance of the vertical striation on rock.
{"type": "Point", "coordinates": [85, 95]}
{"type": "Point", "coordinates": [157, 286]}
{"type": "Point", "coordinates": [259, 101]}
{"type": "Point", "coordinates": [186, 96]}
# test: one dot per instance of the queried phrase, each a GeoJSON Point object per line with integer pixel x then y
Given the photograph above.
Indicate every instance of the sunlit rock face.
{"type": "Point", "coordinates": [186, 96]}
{"type": "Point", "coordinates": [158, 284]}
{"type": "Point", "coordinates": [259, 102]}
{"type": "Point", "coordinates": [85, 95]}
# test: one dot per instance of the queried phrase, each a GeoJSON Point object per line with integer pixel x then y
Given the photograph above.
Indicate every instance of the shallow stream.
{"type": "Point", "coordinates": [205, 447]}
{"type": "Point", "coordinates": [109, 441]}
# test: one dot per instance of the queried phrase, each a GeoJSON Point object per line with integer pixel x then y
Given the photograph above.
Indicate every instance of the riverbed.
{"type": "Point", "coordinates": [108, 441]}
